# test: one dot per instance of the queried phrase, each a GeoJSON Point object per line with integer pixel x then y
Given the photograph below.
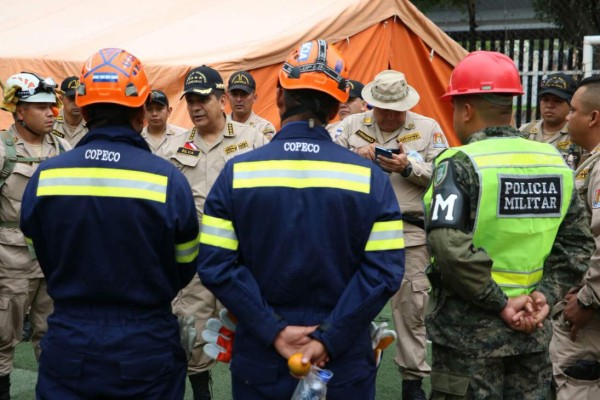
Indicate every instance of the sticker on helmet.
{"type": "Point", "coordinates": [339, 66]}
{"type": "Point", "coordinates": [305, 51]}
{"type": "Point", "coordinates": [105, 77]}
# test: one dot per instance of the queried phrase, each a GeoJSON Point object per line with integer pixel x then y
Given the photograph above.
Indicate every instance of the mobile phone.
{"type": "Point", "coordinates": [383, 152]}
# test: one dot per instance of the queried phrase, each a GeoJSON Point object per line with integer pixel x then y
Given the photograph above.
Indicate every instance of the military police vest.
{"type": "Point", "coordinates": [524, 193]}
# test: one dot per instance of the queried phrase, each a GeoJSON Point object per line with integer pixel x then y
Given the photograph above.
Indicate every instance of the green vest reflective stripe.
{"type": "Point", "coordinates": [525, 191]}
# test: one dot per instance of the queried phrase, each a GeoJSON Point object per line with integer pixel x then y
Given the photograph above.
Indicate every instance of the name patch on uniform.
{"type": "Point", "coordinates": [596, 202]}
{"type": "Point", "coordinates": [438, 141]}
{"type": "Point", "coordinates": [58, 133]}
{"type": "Point", "coordinates": [529, 196]}
{"type": "Point", "coordinates": [364, 136]}
{"type": "Point", "coordinates": [409, 138]}
{"type": "Point", "coordinates": [188, 152]}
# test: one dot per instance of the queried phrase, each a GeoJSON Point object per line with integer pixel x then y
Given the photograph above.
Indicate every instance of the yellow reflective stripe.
{"type": "Point", "coordinates": [103, 182]}
{"type": "Point", "coordinates": [518, 159]}
{"type": "Point", "coordinates": [218, 232]}
{"type": "Point", "coordinates": [187, 252]}
{"type": "Point", "coordinates": [301, 174]}
{"type": "Point", "coordinates": [517, 279]}
{"type": "Point", "coordinates": [386, 235]}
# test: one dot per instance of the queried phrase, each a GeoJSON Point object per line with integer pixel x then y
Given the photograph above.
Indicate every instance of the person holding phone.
{"type": "Point", "coordinates": [414, 141]}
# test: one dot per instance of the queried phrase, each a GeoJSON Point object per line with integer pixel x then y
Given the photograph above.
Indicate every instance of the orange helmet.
{"type": "Point", "coordinates": [316, 66]}
{"type": "Point", "coordinates": [482, 72]}
{"type": "Point", "coordinates": [112, 76]}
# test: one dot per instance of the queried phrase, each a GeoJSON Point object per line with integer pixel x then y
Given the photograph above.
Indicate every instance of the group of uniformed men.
{"type": "Point", "coordinates": [376, 115]}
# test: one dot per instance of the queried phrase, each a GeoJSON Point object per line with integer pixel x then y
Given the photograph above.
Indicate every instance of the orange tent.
{"type": "Point", "coordinates": [53, 38]}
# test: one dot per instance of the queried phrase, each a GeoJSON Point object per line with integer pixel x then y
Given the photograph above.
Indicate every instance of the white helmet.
{"type": "Point", "coordinates": [33, 89]}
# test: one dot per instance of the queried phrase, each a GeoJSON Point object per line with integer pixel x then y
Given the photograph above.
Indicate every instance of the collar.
{"type": "Point", "coordinates": [115, 134]}
{"type": "Point", "coordinates": [495, 132]}
{"type": "Point", "coordinates": [300, 129]}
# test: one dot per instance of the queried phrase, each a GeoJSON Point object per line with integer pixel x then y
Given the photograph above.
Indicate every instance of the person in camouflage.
{"type": "Point", "coordinates": [509, 236]}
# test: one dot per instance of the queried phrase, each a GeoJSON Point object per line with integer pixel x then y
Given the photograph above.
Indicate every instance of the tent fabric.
{"type": "Point", "coordinates": [54, 38]}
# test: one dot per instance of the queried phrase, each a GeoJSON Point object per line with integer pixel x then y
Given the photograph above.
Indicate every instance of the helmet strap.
{"type": "Point", "coordinates": [24, 125]}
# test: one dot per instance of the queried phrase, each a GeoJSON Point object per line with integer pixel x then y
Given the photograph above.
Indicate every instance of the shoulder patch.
{"type": "Point", "coordinates": [440, 173]}
{"type": "Point", "coordinates": [582, 174]}
{"type": "Point", "coordinates": [534, 130]}
{"type": "Point", "coordinates": [60, 118]}
{"type": "Point", "coordinates": [367, 121]}
{"type": "Point", "coordinates": [365, 136]}
{"type": "Point", "coordinates": [596, 202]}
{"type": "Point", "coordinates": [438, 141]}
{"type": "Point", "coordinates": [58, 133]}
{"type": "Point", "coordinates": [230, 131]}
{"type": "Point", "coordinates": [564, 145]}
{"type": "Point", "coordinates": [409, 138]}
{"type": "Point", "coordinates": [449, 204]}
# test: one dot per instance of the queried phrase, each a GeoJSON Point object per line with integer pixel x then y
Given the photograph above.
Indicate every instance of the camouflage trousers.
{"type": "Point", "coordinates": [455, 376]}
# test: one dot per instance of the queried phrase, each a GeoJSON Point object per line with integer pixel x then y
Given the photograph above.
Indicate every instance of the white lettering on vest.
{"type": "Point", "coordinates": [301, 146]}
{"type": "Point", "coordinates": [443, 204]}
{"type": "Point", "coordinates": [102, 155]}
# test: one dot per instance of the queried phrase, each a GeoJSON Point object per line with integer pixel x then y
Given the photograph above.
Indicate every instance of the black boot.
{"type": "Point", "coordinates": [27, 329]}
{"type": "Point", "coordinates": [200, 385]}
{"type": "Point", "coordinates": [5, 387]}
{"type": "Point", "coordinates": [412, 390]}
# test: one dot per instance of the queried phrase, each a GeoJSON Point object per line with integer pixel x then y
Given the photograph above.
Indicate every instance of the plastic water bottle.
{"type": "Point", "coordinates": [313, 386]}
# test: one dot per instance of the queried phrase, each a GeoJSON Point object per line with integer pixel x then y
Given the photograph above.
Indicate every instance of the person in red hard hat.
{"type": "Point", "coordinates": [508, 235]}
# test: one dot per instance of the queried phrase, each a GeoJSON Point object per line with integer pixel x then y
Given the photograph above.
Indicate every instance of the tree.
{"type": "Point", "coordinates": [463, 5]}
{"type": "Point", "coordinates": [575, 18]}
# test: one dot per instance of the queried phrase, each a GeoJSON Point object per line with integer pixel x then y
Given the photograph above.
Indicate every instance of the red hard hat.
{"type": "Point", "coordinates": [483, 72]}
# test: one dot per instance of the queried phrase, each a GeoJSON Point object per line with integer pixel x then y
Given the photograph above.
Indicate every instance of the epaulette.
{"type": "Point", "coordinates": [230, 130]}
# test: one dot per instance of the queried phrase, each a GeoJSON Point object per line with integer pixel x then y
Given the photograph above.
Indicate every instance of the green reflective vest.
{"type": "Point", "coordinates": [525, 191]}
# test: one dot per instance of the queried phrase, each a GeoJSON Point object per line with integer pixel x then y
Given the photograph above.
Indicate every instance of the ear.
{"type": "Point", "coordinates": [222, 101]}
{"type": "Point", "coordinates": [169, 109]}
{"type": "Point", "coordinates": [594, 118]}
{"type": "Point", "coordinates": [280, 99]}
{"type": "Point", "coordinates": [19, 111]}
{"type": "Point", "coordinates": [137, 119]}
{"type": "Point", "coordinates": [254, 98]}
{"type": "Point", "coordinates": [467, 112]}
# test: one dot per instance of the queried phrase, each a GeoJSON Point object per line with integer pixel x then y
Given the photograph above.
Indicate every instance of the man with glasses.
{"type": "Point", "coordinates": [69, 123]}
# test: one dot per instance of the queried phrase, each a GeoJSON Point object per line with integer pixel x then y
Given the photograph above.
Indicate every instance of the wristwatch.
{"type": "Point", "coordinates": [407, 170]}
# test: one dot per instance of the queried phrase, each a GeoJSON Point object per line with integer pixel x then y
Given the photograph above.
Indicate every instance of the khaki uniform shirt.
{"type": "Point", "coordinates": [587, 182]}
{"type": "Point", "coordinates": [202, 163]}
{"type": "Point", "coordinates": [561, 140]}
{"type": "Point", "coordinates": [261, 125]}
{"type": "Point", "coordinates": [61, 129]}
{"type": "Point", "coordinates": [15, 259]}
{"type": "Point", "coordinates": [420, 135]}
{"type": "Point", "coordinates": [171, 132]}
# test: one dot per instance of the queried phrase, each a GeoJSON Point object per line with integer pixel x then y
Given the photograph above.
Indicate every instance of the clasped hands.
{"type": "Point", "coordinates": [526, 313]}
{"type": "Point", "coordinates": [296, 339]}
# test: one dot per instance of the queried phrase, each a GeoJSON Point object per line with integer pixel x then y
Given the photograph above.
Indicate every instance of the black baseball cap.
{"type": "Point", "coordinates": [355, 88]}
{"type": "Point", "coordinates": [202, 80]}
{"type": "Point", "coordinates": [560, 85]}
{"type": "Point", "coordinates": [69, 86]}
{"type": "Point", "coordinates": [241, 80]}
{"type": "Point", "coordinates": [158, 96]}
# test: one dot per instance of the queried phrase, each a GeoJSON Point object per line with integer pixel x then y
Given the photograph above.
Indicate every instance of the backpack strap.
{"type": "Point", "coordinates": [10, 159]}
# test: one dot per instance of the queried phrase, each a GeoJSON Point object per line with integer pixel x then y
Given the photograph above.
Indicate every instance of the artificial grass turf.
{"type": "Point", "coordinates": [389, 384]}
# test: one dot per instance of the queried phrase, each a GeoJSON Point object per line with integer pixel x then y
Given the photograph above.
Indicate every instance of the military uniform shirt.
{"type": "Point", "coordinates": [15, 260]}
{"type": "Point", "coordinates": [260, 124]}
{"type": "Point", "coordinates": [587, 181]}
{"type": "Point", "coordinates": [469, 322]}
{"type": "Point", "coordinates": [62, 130]}
{"type": "Point", "coordinates": [561, 140]}
{"type": "Point", "coordinates": [423, 140]}
{"type": "Point", "coordinates": [202, 163]}
{"type": "Point", "coordinates": [171, 132]}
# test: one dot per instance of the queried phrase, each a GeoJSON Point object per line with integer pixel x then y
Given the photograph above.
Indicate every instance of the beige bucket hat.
{"type": "Point", "coordinates": [390, 91]}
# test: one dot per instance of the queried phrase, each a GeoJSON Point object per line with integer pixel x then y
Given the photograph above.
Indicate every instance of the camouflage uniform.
{"type": "Point", "coordinates": [576, 364]}
{"type": "Point", "coordinates": [476, 355]}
